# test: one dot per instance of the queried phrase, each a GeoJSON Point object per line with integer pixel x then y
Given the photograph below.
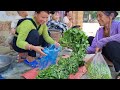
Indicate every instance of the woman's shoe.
{"type": "Point", "coordinates": [33, 64]}
{"type": "Point", "coordinates": [118, 76]}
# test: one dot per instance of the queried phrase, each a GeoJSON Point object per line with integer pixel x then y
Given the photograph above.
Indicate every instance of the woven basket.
{"type": "Point", "coordinates": [55, 34]}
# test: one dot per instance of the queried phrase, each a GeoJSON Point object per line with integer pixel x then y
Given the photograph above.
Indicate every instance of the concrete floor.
{"type": "Point", "coordinates": [16, 69]}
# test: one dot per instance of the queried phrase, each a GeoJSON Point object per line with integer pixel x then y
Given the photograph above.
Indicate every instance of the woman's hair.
{"type": "Point", "coordinates": [108, 13]}
{"type": "Point", "coordinates": [53, 12]}
{"type": "Point", "coordinates": [48, 12]}
{"type": "Point", "coordinates": [66, 12]}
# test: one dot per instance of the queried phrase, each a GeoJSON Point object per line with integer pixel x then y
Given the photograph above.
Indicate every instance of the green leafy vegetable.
{"type": "Point", "coordinates": [99, 71]}
{"type": "Point", "coordinates": [76, 40]}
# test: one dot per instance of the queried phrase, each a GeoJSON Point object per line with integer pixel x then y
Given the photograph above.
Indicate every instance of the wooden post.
{"type": "Point", "coordinates": [78, 18]}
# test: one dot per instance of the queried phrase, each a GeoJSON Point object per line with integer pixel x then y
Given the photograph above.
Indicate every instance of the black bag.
{"type": "Point", "coordinates": [21, 20]}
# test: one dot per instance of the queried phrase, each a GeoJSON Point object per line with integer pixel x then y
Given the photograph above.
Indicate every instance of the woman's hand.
{"type": "Point", "coordinates": [97, 50]}
{"type": "Point", "coordinates": [13, 31]}
{"type": "Point", "coordinates": [39, 50]}
{"type": "Point", "coordinates": [57, 44]}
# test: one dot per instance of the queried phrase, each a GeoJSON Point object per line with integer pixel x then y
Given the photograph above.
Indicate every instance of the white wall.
{"type": "Point", "coordinates": [10, 15]}
{"type": "Point", "coordinates": [90, 28]}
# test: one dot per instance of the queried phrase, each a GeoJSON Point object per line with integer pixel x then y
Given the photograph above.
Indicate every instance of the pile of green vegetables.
{"type": "Point", "coordinates": [99, 71]}
{"type": "Point", "coordinates": [75, 39]}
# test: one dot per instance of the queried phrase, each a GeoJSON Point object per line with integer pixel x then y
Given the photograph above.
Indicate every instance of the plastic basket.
{"type": "Point", "coordinates": [55, 34]}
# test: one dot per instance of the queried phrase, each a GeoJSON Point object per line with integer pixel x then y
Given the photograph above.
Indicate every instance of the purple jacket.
{"type": "Point", "coordinates": [100, 41]}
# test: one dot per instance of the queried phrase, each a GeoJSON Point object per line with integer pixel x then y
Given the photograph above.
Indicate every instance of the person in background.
{"type": "Point", "coordinates": [68, 18]}
{"type": "Point", "coordinates": [55, 23]}
{"type": "Point", "coordinates": [49, 17]}
{"type": "Point", "coordinates": [107, 39]}
{"type": "Point", "coordinates": [33, 38]}
{"type": "Point", "coordinates": [21, 15]}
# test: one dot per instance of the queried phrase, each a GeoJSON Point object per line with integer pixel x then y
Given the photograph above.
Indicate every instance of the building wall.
{"type": "Point", "coordinates": [7, 16]}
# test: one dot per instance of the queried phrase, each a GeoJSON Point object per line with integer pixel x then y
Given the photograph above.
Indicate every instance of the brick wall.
{"type": "Point", "coordinates": [5, 26]}
{"type": "Point", "coordinates": [4, 31]}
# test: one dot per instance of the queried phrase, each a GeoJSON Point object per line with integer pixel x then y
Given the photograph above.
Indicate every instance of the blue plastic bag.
{"type": "Point", "coordinates": [51, 57]}
{"type": "Point", "coordinates": [1, 77]}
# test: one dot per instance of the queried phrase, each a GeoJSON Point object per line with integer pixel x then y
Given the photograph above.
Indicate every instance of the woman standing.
{"type": "Point", "coordinates": [68, 18]}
